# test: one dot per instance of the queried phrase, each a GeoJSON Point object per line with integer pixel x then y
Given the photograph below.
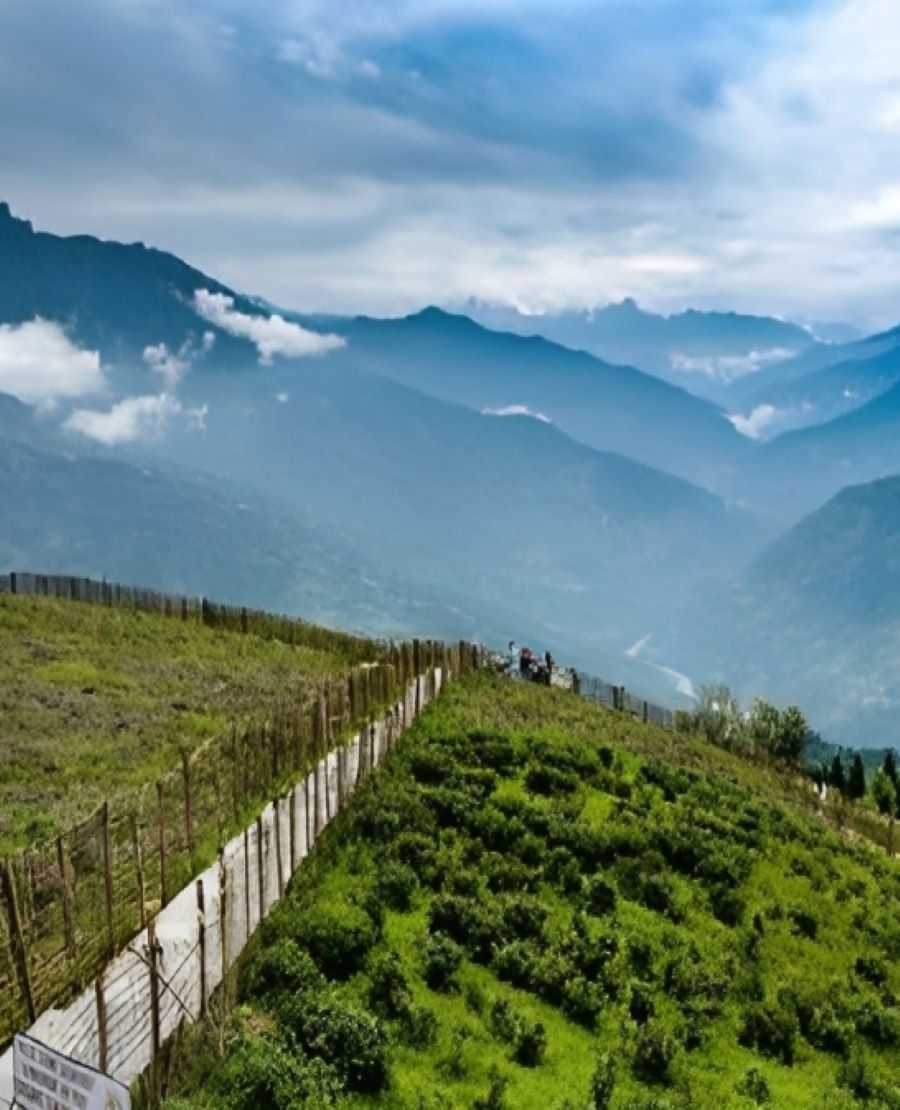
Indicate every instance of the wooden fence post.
{"type": "Point", "coordinates": [188, 807]}
{"type": "Point", "coordinates": [279, 863]}
{"type": "Point", "coordinates": [292, 830]}
{"type": "Point", "coordinates": [201, 944]}
{"type": "Point", "coordinates": [17, 939]}
{"type": "Point", "coordinates": [247, 883]}
{"type": "Point", "coordinates": [139, 869]}
{"type": "Point", "coordinates": [107, 877]}
{"type": "Point", "coordinates": [102, 1037]}
{"type": "Point", "coordinates": [68, 926]}
{"type": "Point", "coordinates": [223, 912]}
{"type": "Point", "coordinates": [260, 875]}
{"type": "Point", "coordinates": [161, 843]}
{"type": "Point", "coordinates": [154, 989]}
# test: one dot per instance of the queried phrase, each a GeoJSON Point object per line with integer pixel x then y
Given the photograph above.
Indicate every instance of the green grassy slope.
{"type": "Point", "coordinates": [95, 701]}
{"type": "Point", "coordinates": [540, 903]}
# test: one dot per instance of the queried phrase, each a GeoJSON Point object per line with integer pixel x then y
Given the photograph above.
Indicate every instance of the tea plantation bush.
{"type": "Point", "coordinates": [540, 903]}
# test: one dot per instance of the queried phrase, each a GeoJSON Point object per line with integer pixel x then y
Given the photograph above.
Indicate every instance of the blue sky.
{"type": "Point", "coordinates": [376, 156]}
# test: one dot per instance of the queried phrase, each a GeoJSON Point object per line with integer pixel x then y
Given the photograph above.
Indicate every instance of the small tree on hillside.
{"type": "Point", "coordinates": [779, 733]}
{"type": "Point", "coordinates": [763, 727]}
{"type": "Point", "coordinates": [884, 793]}
{"type": "Point", "coordinates": [718, 716]}
{"type": "Point", "coordinates": [792, 733]}
{"type": "Point", "coordinates": [890, 769]}
{"type": "Point", "coordinates": [856, 780]}
{"type": "Point", "coordinates": [836, 776]}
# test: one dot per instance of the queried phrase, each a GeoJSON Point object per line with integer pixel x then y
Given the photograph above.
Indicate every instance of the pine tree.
{"type": "Point", "coordinates": [837, 778]}
{"type": "Point", "coordinates": [890, 766]}
{"type": "Point", "coordinates": [856, 783]}
{"type": "Point", "coordinates": [890, 769]}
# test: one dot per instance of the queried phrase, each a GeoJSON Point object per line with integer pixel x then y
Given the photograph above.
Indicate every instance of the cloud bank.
{"type": "Point", "coordinates": [272, 335]}
{"type": "Point", "coordinates": [379, 156]}
{"type": "Point", "coordinates": [39, 364]}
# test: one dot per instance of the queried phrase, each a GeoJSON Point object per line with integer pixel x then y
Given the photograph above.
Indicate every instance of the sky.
{"type": "Point", "coordinates": [377, 156]}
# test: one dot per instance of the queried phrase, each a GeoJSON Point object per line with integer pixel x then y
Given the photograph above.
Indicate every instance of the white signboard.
{"type": "Point", "coordinates": [46, 1080]}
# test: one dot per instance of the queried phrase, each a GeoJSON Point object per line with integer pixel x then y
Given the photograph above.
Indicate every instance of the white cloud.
{"type": "Point", "coordinates": [727, 368]}
{"type": "Point", "coordinates": [39, 363]}
{"type": "Point", "coordinates": [282, 398]}
{"type": "Point", "coordinates": [133, 418]}
{"type": "Point", "coordinates": [517, 410]}
{"type": "Point", "coordinates": [172, 366]}
{"type": "Point", "coordinates": [272, 335]}
{"type": "Point", "coordinates": [761, 420]}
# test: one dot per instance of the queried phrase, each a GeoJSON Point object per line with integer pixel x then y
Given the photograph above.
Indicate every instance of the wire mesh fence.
{"type": "Point", "coordinates": [167, 973]}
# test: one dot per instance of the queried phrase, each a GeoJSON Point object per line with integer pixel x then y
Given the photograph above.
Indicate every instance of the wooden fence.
{"type": "Point", "coordinates": [67, 907]}
{"type": "Point", "coordinates": [169, 971]}
{"type": "Point", "coordinates": [617, 697]}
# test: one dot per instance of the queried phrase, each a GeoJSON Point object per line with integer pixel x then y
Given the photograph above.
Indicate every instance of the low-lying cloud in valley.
{"type": "Point", "coordinates": [272, 335]}
{"type": "Point", "coordinates": [727, 368]}
{"type": "Point", "coordinates": [134, 418]}
{"type": "Point", "coordinates": [171, 366]}
{"type": "Point", "coordinates": [517, 410]}
{"type": "Point", "coordinates": [39, 364]}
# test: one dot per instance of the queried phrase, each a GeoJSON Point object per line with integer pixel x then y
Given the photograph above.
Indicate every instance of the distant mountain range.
{"type": "Point", "coordinates": [433, 475]}
{"type": "Point", "coordinates": [613, 408]}
{"type": "Point", "coordinates": [701, 351]}
{"type": "Point", "coordinates": [588, 548]}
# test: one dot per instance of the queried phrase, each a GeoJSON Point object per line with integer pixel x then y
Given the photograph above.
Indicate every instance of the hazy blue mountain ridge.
{"type": "Point", "coordinates": [815, 619]}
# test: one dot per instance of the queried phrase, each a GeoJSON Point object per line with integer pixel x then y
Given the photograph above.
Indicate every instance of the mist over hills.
{"type": "Point", "coordinates": [810, 465]}
{"type": "Point", "coordinates": [701, 351]}
{"type": "Point", "coordinates": [614, 408]}
{"type": "Point", "coordinates": [431, 475]}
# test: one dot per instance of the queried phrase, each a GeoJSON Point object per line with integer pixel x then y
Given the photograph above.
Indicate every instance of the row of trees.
{"type": "Point", "coordinates": [768, 732]}
{"type": "Point", "coordinates": [763, 731]}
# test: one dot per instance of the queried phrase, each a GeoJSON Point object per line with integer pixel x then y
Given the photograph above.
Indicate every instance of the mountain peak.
{"type": "Point", "coordinates": [10, 223]}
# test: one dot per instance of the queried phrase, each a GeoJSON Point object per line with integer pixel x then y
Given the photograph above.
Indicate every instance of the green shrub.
{"type": "Point", "coordinates": [282, 967]}
{"type": "Point", "coordinates": [754, 1086]}
{"type": "Point", "coordinates": [541, 778]}
{"type": "Point", "coordinates": [389, 993]}
{"type": "Point", "coordinates": [337, 1031]}
{"type": "Point", "coordinates": [515, 963]}
{"type": "Point", "coordinates": [442, 960]}
{"type": "Point", "coordinates": [338, 936]}
{"type": "Point", "coordinates": [529, 1043]}
{"type": "Point", "coordinates": [654, 1050]}
{"type": "Point", "coordinates": [522, 916]}
{"type": "Point", "coordinates": [771, 1028]}
{"type": "Point", "coordinates": [419, 1027]}
{"type": "Point", "coordinates": [640, 1003]}
{"type": "Point", "coordinates": [582, 1001]}
{"type": "Point", "coordinates": [599, 896]}
{"type": "Point", "coordinates": [495, 1099]}
{"type": "Point", "coordinates": [562, 869]}
{"type": "Point", "coordinates": [871, 968]}
{"type": "Point", "coordinates": [262, 1072]}
{"type": "Point", "coordinates": [603, 1082]}
{"type": "Point", "coordinates": [397, 884]}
